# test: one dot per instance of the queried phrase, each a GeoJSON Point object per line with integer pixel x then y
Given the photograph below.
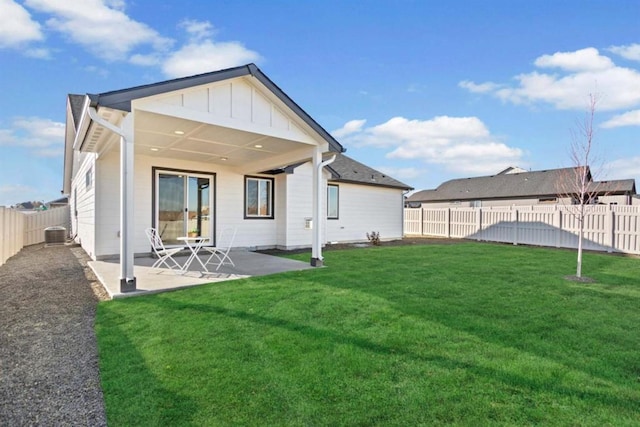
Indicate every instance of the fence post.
{"type": "Point", "coordinates": [447, 220]}
{"type": "Point", "coordinates": [557, 223]}
{"type": "Point", "coordinates": [3, 242]}
{"type": "Point", "coordinates": [478, 223]}
{"type": "Point", "coordinates": [514, 222]}
{"type": "Point", "coordinates": [421, 221]}
{"type": "Point", "coordinates": [609, 231]}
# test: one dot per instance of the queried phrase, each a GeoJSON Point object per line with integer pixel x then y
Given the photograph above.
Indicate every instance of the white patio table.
{"type": "Point", "coordinates": [194, 244]}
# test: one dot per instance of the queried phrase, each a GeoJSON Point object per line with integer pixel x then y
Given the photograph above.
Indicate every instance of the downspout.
{"type": "Point", "coordinates": [127, 278]}
{"type": "Point", "coordinates": [316, 250]}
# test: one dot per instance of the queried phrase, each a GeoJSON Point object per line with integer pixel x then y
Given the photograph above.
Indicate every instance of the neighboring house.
{"type": "Point", "coordinates": [513, 186]}
{"type": "Point", "coordinates": [57, 203]}
{"type": "Point", "coordinates": [213, 151]}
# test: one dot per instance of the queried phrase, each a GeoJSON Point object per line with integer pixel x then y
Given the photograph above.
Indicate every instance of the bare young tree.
{"type": "Point", "coordinates": [578, 186]}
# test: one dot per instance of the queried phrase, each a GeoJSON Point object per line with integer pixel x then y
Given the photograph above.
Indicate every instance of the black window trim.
{"type": "Point", "coordinates": [337, 201]}
{"type": "Point", "coordinates": [271, 199]}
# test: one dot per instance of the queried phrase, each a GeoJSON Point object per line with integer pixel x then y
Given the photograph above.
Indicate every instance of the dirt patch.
{"type": "Point", "coordinates": [48, 349]}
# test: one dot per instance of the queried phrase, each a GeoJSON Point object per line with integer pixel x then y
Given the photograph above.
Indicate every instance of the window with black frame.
{"type": "Point", "coordinates": [258, 198]}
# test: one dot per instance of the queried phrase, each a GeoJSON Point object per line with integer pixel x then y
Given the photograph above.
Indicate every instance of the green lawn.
{"type": "Point", "coordinates": [467, 334]}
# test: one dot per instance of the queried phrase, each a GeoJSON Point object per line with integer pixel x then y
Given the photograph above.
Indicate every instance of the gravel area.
{"type": "Point", "coordinates": [48, 354]}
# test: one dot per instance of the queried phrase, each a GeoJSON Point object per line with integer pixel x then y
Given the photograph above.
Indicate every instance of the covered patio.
{"type": "Point", "coordinates": [191, 156]}
{"type": "Point", "coordinates": [155, 280]}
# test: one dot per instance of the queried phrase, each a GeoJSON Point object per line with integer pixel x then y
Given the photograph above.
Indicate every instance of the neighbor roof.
{"type": "Point", "coordinates": [345, 169]}
{"type": "Point", "coordinates": [121, 99]}
{"type": "Point", "coordinates": [544, 183]}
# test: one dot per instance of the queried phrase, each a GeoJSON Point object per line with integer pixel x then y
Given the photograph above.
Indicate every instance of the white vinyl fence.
{"type": "Point", "coordinates": [606, 228]}
{"type": "Point", "coordinates": [19, 229]}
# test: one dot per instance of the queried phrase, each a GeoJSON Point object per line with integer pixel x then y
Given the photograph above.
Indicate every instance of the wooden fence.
{"type": "Point", "coordinates": [19, 229]}
{"type": "Point", "coordinates": [606, 228]}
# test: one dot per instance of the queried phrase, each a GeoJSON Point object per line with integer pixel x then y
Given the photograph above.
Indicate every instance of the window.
{"type": "Point", "coordinates": [258, 197]}
{"type": "Point", "coordinates": [332, 201]}
{"type": "Point", "coordinates": [87, 179]}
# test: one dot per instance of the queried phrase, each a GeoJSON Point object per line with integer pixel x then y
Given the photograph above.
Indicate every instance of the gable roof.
{"type": "Point", "coordinates": [121, 99]}
{"type": "Point", "coordinates": [345, 169]}
{"type": "Point", "coordinates": [533, 184]}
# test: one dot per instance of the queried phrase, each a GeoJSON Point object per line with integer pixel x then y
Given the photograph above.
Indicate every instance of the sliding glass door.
{"type": "Point", "coordinates": [183, 205]}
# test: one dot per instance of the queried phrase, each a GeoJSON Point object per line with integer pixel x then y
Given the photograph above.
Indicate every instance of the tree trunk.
{"type": "Point", "coordinates": [580, 238]}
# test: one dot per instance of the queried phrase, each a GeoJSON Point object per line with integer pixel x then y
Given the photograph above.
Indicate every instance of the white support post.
{"type": "Point", "coordinates": [127, 279]}
{"type": "Point", "coordinates": [127, 229]}
{"type": "Point", "coordinates": [316, 249]}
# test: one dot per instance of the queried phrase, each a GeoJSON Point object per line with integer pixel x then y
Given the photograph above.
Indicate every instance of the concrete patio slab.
{"type": "Point", "coordinates": [149, 280]}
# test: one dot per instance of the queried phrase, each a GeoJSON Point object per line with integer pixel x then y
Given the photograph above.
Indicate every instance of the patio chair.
{"type": "Point", "coordinates": [165, 256]}
{"type": "Point", "coordinates": [221, 251]}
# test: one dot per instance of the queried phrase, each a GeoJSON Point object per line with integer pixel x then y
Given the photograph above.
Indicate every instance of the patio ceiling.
{"type": "Point", "coordinates": [163, 136]}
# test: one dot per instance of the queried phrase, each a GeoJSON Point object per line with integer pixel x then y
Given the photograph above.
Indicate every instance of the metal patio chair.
{"type": "Point", "coordinates": [165, 256]}
{"type": "Point", "coordinates": [221, 251]}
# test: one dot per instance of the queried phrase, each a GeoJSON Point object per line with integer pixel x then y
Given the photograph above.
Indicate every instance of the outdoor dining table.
{"type": "Point", "coordinates": [194, 244]}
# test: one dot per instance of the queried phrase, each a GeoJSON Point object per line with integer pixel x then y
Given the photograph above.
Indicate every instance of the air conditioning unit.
{"type": "Point", "coordinates": [55, 236]}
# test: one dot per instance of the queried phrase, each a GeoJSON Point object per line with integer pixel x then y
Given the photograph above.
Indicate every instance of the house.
{"type": "Point", "coordinates": [222, 149]}
{"type": "Point", "coordinates": [60, 202]}
{"type": "Point", "coordinates": [513, 186]}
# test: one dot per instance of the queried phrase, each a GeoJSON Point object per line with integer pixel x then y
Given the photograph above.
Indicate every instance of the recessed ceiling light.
{"type": "Point", "coordinates": [154, 149]}
{"type": "Point", "coordinates": [178, 132]}
{"type": "Point", "coordinates": [224, 159]}
{"type": "Point", "coordinates": [258, 146]}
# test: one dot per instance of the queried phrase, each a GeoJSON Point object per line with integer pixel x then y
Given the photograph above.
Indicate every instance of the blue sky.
{"type": "Point", "coordinates": [424, 90]}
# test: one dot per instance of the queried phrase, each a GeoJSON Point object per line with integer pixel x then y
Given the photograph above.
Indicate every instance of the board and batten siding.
{"type": "Point", "coordinates": [363, 209]}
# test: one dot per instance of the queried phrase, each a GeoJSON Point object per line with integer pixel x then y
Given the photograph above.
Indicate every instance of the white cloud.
{"type": "Point", "coordinates": [207, 56]}
{"type": "Point", "coordinates": [349, 128]}
{"type": "Point", "coordinates": [623, 168]}
{"type": "Point", "coordinates": [104, 29]}
{"type": "Point", "coordinates": [43, 137]}
{"type": "Point", "coordinates": [201, 54]}
{"type": "Point", "coordinates": [14, 192]}
{"type": "Point", "coordinates": [197, 30]}
{"type": "Point", "coordinates": [588, 59]}
{"type": "Point", "coordinates": [16, 26]}
{"type": "Point", "coordinates": [631, 51]}
{"type": "Point", "coordinates": [478, 88]}
{"type": "Point", "coordinates": [101, 27]}
{"type": "Point", "coordinates": [578, 74]}
{"type": "Point", "coordinates": [461, 144]}
{"type": "Point", "coordinates": [630, 118]}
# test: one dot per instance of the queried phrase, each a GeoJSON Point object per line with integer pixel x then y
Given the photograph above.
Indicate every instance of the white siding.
{"type": "Point", "coordinates": [229, 204]}
{"type": "Point", "coordinates": [366, 208]}
{"type": "Point", "coordinates": [362, 208]}
{"type": "Point", "coordinates": [299, 206]}
{"type": "Point", "coordinates": [83, 203]}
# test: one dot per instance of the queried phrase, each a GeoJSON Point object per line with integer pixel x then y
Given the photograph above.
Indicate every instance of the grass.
{"type": "Point", "coordinates": [468, 334]}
